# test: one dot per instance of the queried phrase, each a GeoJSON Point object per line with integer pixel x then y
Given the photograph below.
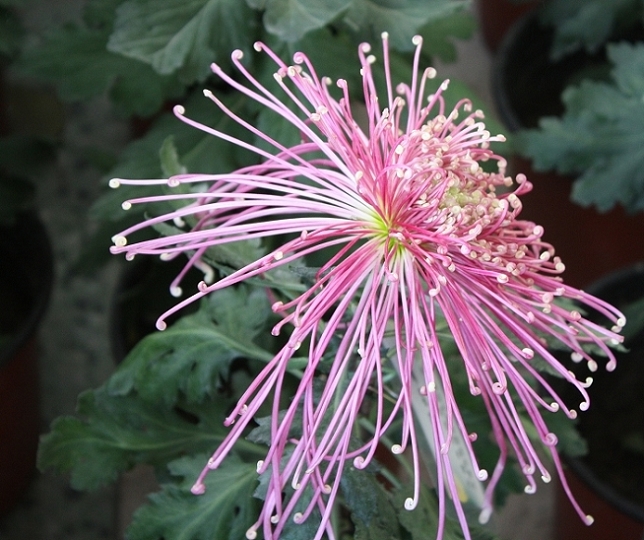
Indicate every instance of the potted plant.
{"type": "Point", "coordinates": [561, 131]}
{"type": "Point", "coordinates": [596, 55]}
{"type": "Point", "coordinates": [608, 477]}
{"type": "Point", "coordinates": [409, 323]}
{"type": "Point", "coordinates": [26, 276]}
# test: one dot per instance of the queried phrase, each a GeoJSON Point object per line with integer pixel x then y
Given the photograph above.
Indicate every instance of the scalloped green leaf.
{"type": "Point", "coordinates": [193, 356]}
{"type": "Point", "coordinates": [113, 433]}
{"type": "Point", "coordinates": [182, 36]}
{"type": "Point", "coordinates": [599, 138]}
{"type": "Point", "coordinates": [224, 512]}
{"type": "Point", "coordinates": [371, 509]}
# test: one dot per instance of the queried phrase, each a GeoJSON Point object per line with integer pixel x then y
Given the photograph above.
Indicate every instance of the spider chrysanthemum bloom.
{"type": "Point", "coordinates": [420, 233]}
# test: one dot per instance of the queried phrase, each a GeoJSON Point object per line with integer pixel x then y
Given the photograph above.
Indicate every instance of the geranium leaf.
{"type": "Point", "coordinates": [192, 357]}
{"type": "Point", "coordinates": [113, 433]}
{"type": "Point", "coordinates": [76, 60]}
{"type": "Point", "coordinates": [224, 512]}
{"type": "Point", "coordinates": [401, 19]}
{"type": "Point", "coordinates": [182, 36]}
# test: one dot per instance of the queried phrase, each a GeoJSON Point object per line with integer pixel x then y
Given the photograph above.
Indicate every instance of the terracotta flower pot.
{"type": "Point", "coordinates": [26, 275]}
{"type": "Point", "coordinates": [527, 86]}
{"type": "Point", "coordinates": [609, 481]}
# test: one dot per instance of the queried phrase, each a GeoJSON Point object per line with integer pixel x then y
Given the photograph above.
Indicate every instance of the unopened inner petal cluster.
{"type": "Point", "coordinates": [422, 234]}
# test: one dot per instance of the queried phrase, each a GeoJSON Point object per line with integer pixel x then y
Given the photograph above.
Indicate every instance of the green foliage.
{"type": "Point", "coordinates": [115, 432]}
{"type": "Point", "coordinates": [195, 150]}
{"type": "Point", "coordinates": [76, 60]}
{"type": "Point", "coordinates": [422, 522]}
{"type": "Point", "coordinates": [634, 313]}
{"type": "Point", "coordinates": [372, 511]}
{"type": "Point", "coordinates": [588, 24]}
{"type": "Point", "coordinates": [571, 443]}
{"type": "Point", "coordinates": [290, 20]}
{"type": "Point", "coordinates": [192, 357]}
{"type": "Point", "coordinates": [225, 511]}
{"type": "Point", "coordinates": [439, 33]}
{"type": "Point", "coordinates": [168, 398]}
{"type": "Point", "coordinates": [144, 52]}
{"type": "Point", "coordinates": [402, 20]}
{"type": "Point", "coordinates": [179, 36]}
{"type": "Point", "coordinates": [599, 137]}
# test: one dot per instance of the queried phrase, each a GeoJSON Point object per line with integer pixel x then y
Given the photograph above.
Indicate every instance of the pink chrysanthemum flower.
{"type": "Point", "coordinates": [421, 233]}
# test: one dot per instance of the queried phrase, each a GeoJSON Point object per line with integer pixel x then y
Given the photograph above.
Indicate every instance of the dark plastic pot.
{"type": "Point", "coordinates": [26, 276]}
{"type": "Point", "coordinates": [527, 86]}
{"type": "Point", "coordinates": [497, 16]}
{"type": "Point", "coordinates": [609, 481]}
{"type": "Point", "coordinates": [526, 83]}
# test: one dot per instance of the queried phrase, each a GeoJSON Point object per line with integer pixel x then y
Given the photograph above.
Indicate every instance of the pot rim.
{"type": "Point", "coordinates": [500, 64]}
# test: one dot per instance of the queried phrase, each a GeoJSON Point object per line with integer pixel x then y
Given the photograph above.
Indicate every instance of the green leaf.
{"type": "Point", "coordinates": [114, 433]}
{"type": "Point", "coordinates": [182, 36]}
{"type": "Point", "coordinates": [193, 356]}
{"type": "Point", "coordinates": [588, 23]}
{"type": "Point", "coordinates": [224, 512]}
{"type": "Point", "coordinates": [570, 442]}
{"type": "Point", "coordinates": [628, 68]}
{"type": "Point", "coordinates": [402, 19]}
{"type": "Point", "coordinates": [634, 313]}
{"type": "Point", "coordinates": [290, 20]}
{"type": "Point", "coordinates": [75, 59]}
{"type": "Point", "coordinates": [599, 137]}
{"type": "Point", "coordinates": [439, 34]}
{"type": "Point", "coordinates": [197, 151]}
{"type": "Point", "coordinates": [422, 522]}
{"type": "Point", "coordinates": [170, 164]}
{"type": "Point", "coordinates": [372, 512]}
